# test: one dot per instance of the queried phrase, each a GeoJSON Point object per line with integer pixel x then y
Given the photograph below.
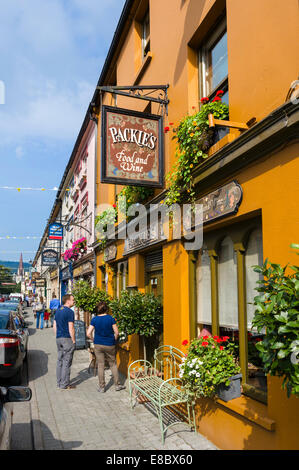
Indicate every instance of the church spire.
{"type": "Point", "coordinates": [21, 267]}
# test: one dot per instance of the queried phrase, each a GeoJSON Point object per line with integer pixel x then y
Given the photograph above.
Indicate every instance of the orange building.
{"type": "Point", "coordinates": [248, 50]}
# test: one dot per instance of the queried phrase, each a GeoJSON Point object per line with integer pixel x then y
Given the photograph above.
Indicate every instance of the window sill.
{"type": "Point", "coordinates": [227, 139]}
{"type": "Point", "coordinates": [250, 409]}
{"type": "Point", "coordinates": [143, 67]}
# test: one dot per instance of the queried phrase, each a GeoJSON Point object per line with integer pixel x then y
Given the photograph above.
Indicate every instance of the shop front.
{"type": "Point", "coordinates": [54, 277]}
{"type": "Point", "coordinates": [66, 278]}
{"type": "Point", "coordinates": [84, 270]}
{"type": "Point", "coordinates": [246, 179]}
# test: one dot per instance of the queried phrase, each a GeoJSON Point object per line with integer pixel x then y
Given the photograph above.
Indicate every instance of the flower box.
{"type": "Point", "coordinates": [231, 391]}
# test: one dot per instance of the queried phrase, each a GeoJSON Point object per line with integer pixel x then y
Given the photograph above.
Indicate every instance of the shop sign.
{"type": "Point", "coordinates": [80, 334]}
{"type": "Point", "coordinates": [77, 271]}
{"type": "Point", "coordinates": [150, 236]}
{"type": "Point", "coordinates": [222, 202]}
{"type": "Point", "coordinates": [132, 147]}
{"type": "Point", "coordinates": [110, 253]}
{"type": "Point", "coordinates": [66, 274]}
{"type": "Point", "coordinates": [87, 267]}
{"type": "Point", "coordinates": [40, 282]}
{"type": "Point", "coordinates": [55, 232]}
{"type": "Point", "coordinates": [49, 258]}
{"type": "Point", "coordinates": [35, 275]}
{"type": "Point", "coordinates": [54, 274]}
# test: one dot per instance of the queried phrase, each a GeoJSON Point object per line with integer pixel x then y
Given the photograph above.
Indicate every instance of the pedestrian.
{"type": "Point", "coordinates": [47, 317]}
{"type": "Point", "coordinates": [65, 339]}
{"type": "Point", "coordinates": [54, 305]}
{"type": "Point", "coordinates": [40, 309]}
{"type": "Point", "coordinates": [106, 333]}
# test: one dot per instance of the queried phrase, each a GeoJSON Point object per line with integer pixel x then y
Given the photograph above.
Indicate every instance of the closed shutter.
{"type": "Point", "coordinates": [154, 259]}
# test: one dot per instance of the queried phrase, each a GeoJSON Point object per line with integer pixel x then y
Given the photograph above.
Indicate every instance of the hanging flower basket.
{"type": "Point", "coordinates": [79, 248]}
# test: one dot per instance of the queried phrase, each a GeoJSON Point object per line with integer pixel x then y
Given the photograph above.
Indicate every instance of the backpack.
{"type": "Point", "coordinates": [39, 307]}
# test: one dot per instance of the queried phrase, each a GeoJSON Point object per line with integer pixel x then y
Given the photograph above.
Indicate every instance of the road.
{"type": "Point", "coordinates": [82, 418]}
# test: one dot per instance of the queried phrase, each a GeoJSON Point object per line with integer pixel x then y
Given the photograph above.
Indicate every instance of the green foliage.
{"type": "Point", "coordinates": [107, 217]}
{"type": "Point", "coordinates": [132, 195]}
{"type": "Point", "coordinates": [127, 196]}
{"type": "Point", "coordinates": [137, 313]}
{"type": "Point", "coordinates": [87, 297]}
{"type": "Point", "coordinates": [209, 363]}
{"type": "Point", "coordinates": [194, 138]}
{"type": "Point", "coordinates": [277, 311]}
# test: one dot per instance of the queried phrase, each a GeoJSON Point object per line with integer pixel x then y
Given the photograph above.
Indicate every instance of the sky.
{"type": "Point", "coordinates": [51, 56]}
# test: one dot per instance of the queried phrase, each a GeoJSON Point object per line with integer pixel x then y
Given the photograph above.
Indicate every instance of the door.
{"type": "Point", "coordinates": [154, 285]}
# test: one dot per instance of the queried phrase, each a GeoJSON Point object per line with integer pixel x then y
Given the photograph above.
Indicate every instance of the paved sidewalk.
{"type": "Point", "coordinates": [83, 418]}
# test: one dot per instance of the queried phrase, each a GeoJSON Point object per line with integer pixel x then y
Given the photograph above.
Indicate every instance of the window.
{"type": "Point", "coordinates": [213, 60]}
{"type": "Point", "coordinates": [145, 35]}
{"type": "Point", "coordinates": [122, 277]}
{"type": "Point", "coordinates": [203, 274]}
{"type": "Point", "coordinates": [236, 250]}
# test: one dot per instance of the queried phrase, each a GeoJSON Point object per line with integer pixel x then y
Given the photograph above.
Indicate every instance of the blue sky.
{"type": "Point", "coordinates": [51, 56]}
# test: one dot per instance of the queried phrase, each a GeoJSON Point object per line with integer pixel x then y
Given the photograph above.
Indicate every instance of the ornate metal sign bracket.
{"type": "Point", "coordinates": [140, 92]}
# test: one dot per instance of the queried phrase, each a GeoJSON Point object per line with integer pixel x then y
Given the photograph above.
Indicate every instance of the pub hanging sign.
{"type": "Point", "coordinates": [132, 148]}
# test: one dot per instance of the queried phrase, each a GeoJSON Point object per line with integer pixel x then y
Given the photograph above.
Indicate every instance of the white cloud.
{"type": "Point", "coordinates": [51, 55]}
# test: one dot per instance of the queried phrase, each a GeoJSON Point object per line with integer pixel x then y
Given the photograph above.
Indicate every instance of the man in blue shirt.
{"type": "Point", "coordinates": [54, 305]}
{"type": "Point", "coordinates": [65, 340]}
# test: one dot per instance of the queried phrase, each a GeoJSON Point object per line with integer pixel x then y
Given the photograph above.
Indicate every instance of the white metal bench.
{"type": "Point", "coordinates": [159, 383]}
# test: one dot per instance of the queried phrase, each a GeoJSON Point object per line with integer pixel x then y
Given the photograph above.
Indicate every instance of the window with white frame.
{"type": "Point", "coordinates": [203, 274]}
{"type": "Point", "coordinates": [213, 64]}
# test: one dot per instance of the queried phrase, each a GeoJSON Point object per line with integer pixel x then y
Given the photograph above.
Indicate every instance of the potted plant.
{"type": "Point", "coordinates": [277, 313]}
{"type": "Point", "coordinates": [87, 297]}
{"type": "Point", "coordinates": [138, 313]}
{"type": "Point", "coordinates": [210, 369]}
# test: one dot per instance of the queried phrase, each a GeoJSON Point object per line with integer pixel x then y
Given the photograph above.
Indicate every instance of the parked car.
{"type": "Point", "coordinates": [8, 395]}
{"type": "Point", "coordinates": [16, 297]}
{"type": "Point", "coordinates": [13, 347]}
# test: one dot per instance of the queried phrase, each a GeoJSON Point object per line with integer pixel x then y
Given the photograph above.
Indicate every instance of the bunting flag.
{"type": "Point", "coordinates": [17, 251]}
{"type": "Point", "coordinates": [9, 237]}
{"type": "Point", "coordinates": [31, 189]}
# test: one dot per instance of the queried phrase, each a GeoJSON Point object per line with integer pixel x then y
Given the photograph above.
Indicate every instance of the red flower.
{"type": "Point", "coordinates": [166, 129]}
{"type": "Point", "coordinates": [217, 98]}
{"type": "Point", "coordinates": [220, 92]}
{"type": "Point", "coordinates": [185, 342]}
{"type": "Point", "coordinates": [204, 100]}
{"type": "Point", "coordinates": [225, 338]}
{"type": "Point", "coordinates": [205, 343]}
{"type": "Point", "coordinates": [114, 205]}
{"type": "Point", "coordinates": [221, 347]}
{"type": "Point", "coordinates": [215, 337]}
{"type": "Point", "coordinates": [219, 340]}
{"type": "Point", "coordinates": [205, 337]}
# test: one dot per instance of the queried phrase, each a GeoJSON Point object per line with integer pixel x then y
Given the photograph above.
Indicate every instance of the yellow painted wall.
{"type": "Point", "coordinates": [263, 59]}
